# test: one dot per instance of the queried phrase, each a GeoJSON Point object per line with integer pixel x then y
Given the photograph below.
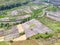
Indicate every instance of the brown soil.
{"type": "Point", "coordinates": [26, 42]}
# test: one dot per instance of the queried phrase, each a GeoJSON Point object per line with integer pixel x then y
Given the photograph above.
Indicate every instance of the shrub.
{"type": "Point", "coordinates": [44, 36]}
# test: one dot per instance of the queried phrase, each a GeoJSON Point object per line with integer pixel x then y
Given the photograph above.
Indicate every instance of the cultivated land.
{"type": "Point", "coordinates": [16, 15]}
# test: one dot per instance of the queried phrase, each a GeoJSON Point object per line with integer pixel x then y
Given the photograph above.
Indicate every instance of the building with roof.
{"type": "Point", "coordinates": [11, 34]}
{"type": "Point", "coordinates": [31, 28]}
{"type": "Point", "coordinates": [1, 35]}
{"type": "Point", "coordinates": [26, 30]}
{"type": "Point", "coordinates": [53, 15]}
{"type": "Point", "coordinates": [1, 32]}
{"type": "Point", "coordinates": [34, 27]}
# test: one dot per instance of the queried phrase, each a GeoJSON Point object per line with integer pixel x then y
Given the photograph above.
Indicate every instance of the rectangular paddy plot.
{"type": "Point", "coordinates": [34, 27]}
{"type": "Point", "coordinates": [11, 34]}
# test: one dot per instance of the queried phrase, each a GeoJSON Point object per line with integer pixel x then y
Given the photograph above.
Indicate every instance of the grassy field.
{"type": "Point", "coordinates": [54, 25]}
{"type": "Point", "coordinates": [1, 16]}
{"type": "Point", "coordinates": [4, 43]}
{"type": "Point", "coordinates": [53, 8]}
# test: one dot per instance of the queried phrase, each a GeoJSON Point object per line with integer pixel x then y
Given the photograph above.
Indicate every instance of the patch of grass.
{"type": "Point", "coordinates": [28, 44]}
{"type": "Point", "coordinates": [1, 16]}
{"type": "Point", "coordinates": [52, 8]}
{"type": "Point", "coordinates": [3, 43]}
{"type": "Point", "coordinates": [44, 36]}
{"type": "Point", "coordinates": [32, 25]}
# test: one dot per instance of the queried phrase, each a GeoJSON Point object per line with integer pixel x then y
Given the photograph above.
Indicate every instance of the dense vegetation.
{"type": "Point", "coordinates": [8, 4]}
{"type": "Point", "coordinates": [44, 36]}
